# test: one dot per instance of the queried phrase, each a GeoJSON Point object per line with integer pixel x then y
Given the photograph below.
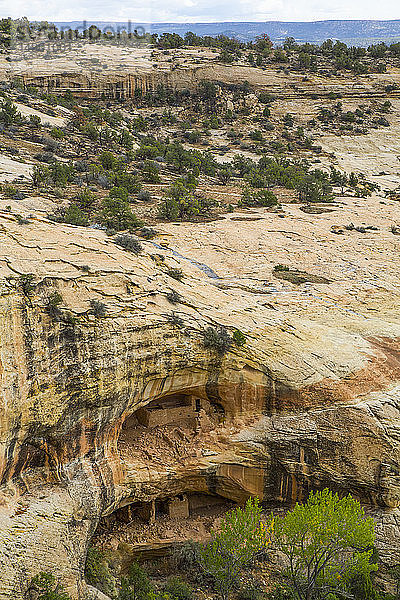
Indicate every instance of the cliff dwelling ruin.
{"type": "Point", "coordinates": [167, 431]}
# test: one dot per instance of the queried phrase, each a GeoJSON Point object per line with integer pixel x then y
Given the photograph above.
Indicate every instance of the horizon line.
{"type": "Point", "coordinates": [224, 22]}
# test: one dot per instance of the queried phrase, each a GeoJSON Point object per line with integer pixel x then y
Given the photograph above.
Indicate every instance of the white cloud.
{"type": "Point", "coordinates": [200, 10]}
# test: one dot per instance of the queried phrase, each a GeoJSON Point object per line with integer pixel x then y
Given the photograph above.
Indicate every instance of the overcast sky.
{"type": "Point", "coordinates": [200, 10]}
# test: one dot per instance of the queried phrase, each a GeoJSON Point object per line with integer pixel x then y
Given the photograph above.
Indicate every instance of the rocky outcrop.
{"type": "Point", "coordinates": [311, 399]}
{"type": "Point", "coordinates": [94, 70]}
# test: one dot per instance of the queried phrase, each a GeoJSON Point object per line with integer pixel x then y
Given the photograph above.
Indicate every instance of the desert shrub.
{"type": "Point", "coordinates": [288, 120]}
{"type": "Point", "coordinates": [128, 242]}
{"type": "Point", "coordinates": [256, 136]}
{"type": "Point", "coordinates": [193, 137]}
{"type": "Point", "coordinates": [265, 98]}
{"type": "Point", "coordinates": [98, 572]}
{"type": "Point", "coordinates": [178, 589]}
{"type": "Point", "coordinates": [175, 320]}
{"type": "Point", "coordinates": [385, 108]}
{"type": "Point", "coordinates": [280, 267]}
{"type": "Point", "coordinates": [116, 213]}
{"type": "Point", "coordinates": [144, 196]}
{"type": "Point", "coordinates": [81, 166]}
{"type": "Point", "coordinates": [251, 590]}
{"type": "Point", "coordinates": [147, 233]}
{"type": "Point", "coordinates": [104, 181]}
{"type": "Point", "coordinates": [75, 216]}
{"type": "Point", "coordinates": [46, 157]}
{"type": "Point", "coordinates": [174, 297]}
{"type": "Point", "coordinates": [99, 309]}
{"type": "Point", "coordinates": [187, 556]}
{"type": "Point", "coordinates": [217, 339]}
{"type": "Point", "coordinates": [175, 273]}
{"type": "Point", "coordinates": [239, 338]}
{"type": "Point", "coordinates": [20, 219]}
{"type": "Point", "coordinates": [50, 144]}
{"type": "Point", "coordinates": [44, 586]}
{"type": "Point", "coordinates": [383, 121]}
{"type": "Point", "coordinates": [224, 175]}
{"type": "Point", "coordinates": [9, 191]}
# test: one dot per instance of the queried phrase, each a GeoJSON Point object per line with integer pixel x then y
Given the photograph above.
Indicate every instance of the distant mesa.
{"type": "Point", "coordinates": [356, 32]}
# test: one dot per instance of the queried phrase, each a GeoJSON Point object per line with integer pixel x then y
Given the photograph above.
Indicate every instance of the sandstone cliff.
{"type": "Point", "coordinates": [92, 70]}
{"type": "Point", "coordinates": [310, 400]}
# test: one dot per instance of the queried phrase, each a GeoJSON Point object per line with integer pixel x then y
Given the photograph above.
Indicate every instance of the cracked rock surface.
{"type": "Point", "coordinates": [312, 398]}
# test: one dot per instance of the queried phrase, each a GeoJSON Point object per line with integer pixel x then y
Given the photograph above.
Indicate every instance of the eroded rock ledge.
{"type": "Point", "coordinates": [311, 399]}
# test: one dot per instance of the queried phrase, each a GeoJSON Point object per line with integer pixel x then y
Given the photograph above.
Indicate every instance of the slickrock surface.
{"type": "Point", "coordinates": [311, 399]}
{"type": "Point", "coordinates": [10, 169]}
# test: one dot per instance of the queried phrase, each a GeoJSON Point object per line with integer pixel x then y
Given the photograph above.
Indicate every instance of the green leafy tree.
{"type": "Point", "coordinates": [327, 541]}
{"type": "Point", "coordinates": [136, 586]}
{"type": "Point", "coordinates": [241, 538]}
